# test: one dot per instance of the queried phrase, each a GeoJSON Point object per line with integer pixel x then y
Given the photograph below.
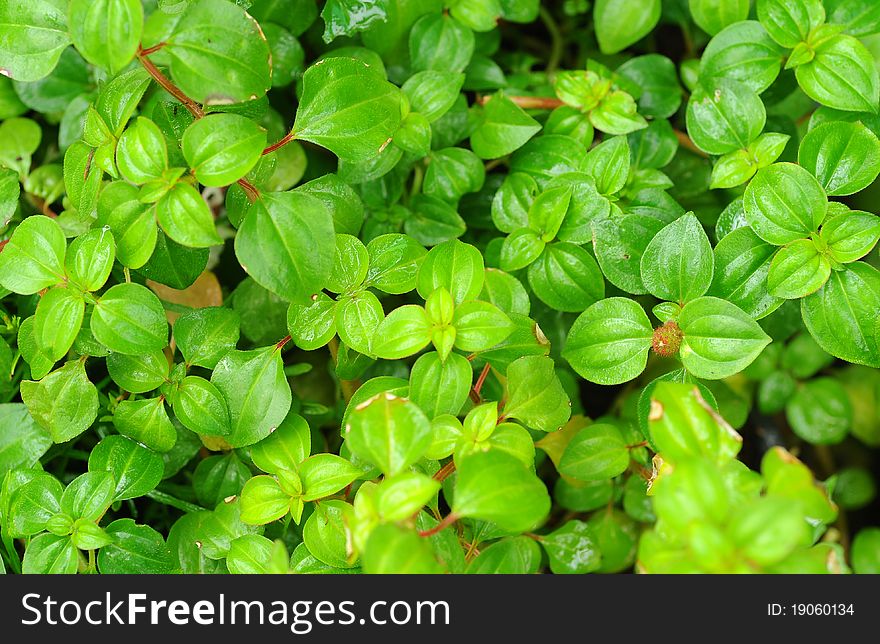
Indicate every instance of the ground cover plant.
{"type": "Point", "coordinates": [476, 286]}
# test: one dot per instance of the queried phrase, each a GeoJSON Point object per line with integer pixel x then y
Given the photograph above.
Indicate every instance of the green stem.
{"type": "Point", "coordinates": [555, 40]}
{"type": "Point", "coordinates": [174, 502]}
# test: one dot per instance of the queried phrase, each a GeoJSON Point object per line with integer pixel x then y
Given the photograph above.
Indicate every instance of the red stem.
{"type": "Point", "coordinates": [194, 108]}
{"type": "Point", "coordinates": [290, 136]}
{"type": "Point", "coordinates": [282, 342]}
{"type": "Point", "coordinates": [445, 471]}
{"type": "Point", "coordinates": [447, 521]}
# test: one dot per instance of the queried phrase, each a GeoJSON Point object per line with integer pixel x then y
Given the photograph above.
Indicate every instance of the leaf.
{"type": "Point", "coordinates": [860, 17]}
{"type": "Point", "coordinates": [438, 42]}
{"type": "Point", "coordinates": [147, 422]}
{"type": "Point", "coordinates": [326, 536]}
{"type": "Point", "coordinates": [404, 332]}
{"type": "Point", "coordinates": [206, 335]}
{"type": "Point", "coordinates": [678, 264]}
{"type": "Point", "coordinates": [249, 554]}
{"type": "Point", "coordinates": [784, 202]}
{"type": "Point", "coordinates": [440, 387]}
{"type": "Point", "coordinates": [138, 373]}
{"type": "Point", "coordinates": [657, 78]}
{"type": "Point", "coordinates": [724, 115]}
{"type": "Point", "coordinates": [512, 555]}
{"type": "Point", "coordinates": [132, 223]}
{"type": "Point", "coordinates": [89, 495]}
{"type": "Point", "coordinates": [494, 486]}
{"type": "Point", "coordinates": [311, 327]}
{"type": "Point", "coordinates": [57, 321]}
{"type": "Point", "coordinates": [503, 128]}
{"type": "Point", "coordinates": [90, 259]}
{"type": "Point", "coordinates": [572, 549]}
{"type": "Point", "coordinates": [129, 319]}
{"type": "Point", "coordinates": [566, 278]}
{"type": "Point", "coordinates": [596, 452]}
{"type": "Point", "coordinates": [714, 15]}
{"type": "Point", "coordinates": [742, 263]}
{"type": "Point", "coordinates": [797, 270]}
{"type": "Point", "coordinates": [719, 339]}
{"type": "Point", "coordinates": [480, 326]}
{"type": "Point", "coordinates": [136, 549]}
{"type": "Point", "coordinates": [608, 343]}
{"type": "Point", "coordinates": [136, 469]}
{"type": "Point", "coordinates": [789, 22]}
{"type": "Point", "coordinates": [609, 165]}
{"type": "Point", "coordinates": [142, 154]}
{"type": "Point", "coordinates": [452, 173]}
{"type": "Point", "coordinates": [394, 550]}
{"type": "Point", "coordinates": [65, 402]}
{"type": "Point", "coordinates": [850, 236]}
{"type": "Point", "coordinates": [222, 148]}
{"type": "Point", "coordinates": [394, 263]}
{"type": "Point", "coordinates": [455, 266]}
{"type": "Point", "coordinates": [32, 504]}
{"type": "Point", "coordinates": [743, 52]}
{"type": "Point", "coordinates": [841, 316]}
{"type": "Point", "coordinates": [256, 390]}
{"type": "Point", "coordinates": [619, 23]}
{"type": "Point", "coordinates": [357, 318]}
{"type": "Point", "coordinates": [325, 474]}
{"type": "Point", "coordinates": [845, 157]}
{"type": "Point", "coordinates": [218, 54]}
{"type": "Point", "coordinates": [286, 243]}
{"type": "Point", "coordinates": [432, 93]}
{"type": "Point", "coordinates": [347, 108]}
{"type": "Point", "coordinates": [535, 395]}
{"type": "Point", "coordinates": [107, 32]}
{"type": "Point", "coordinates": [22, 440]}
{"type": "Point", "coordinates": [388, 431]}
{"type": "Point", "coordinates": [520, 249]}
{"type": "Point", "coordinates": [348, 17]}
{"type": "Point", "coordinates": [49, 554]}
{"type": "Point", "coordinates": [33, 259]}
{"type": "Point", "coordinates": [33, 34]}
{"type": "Point", "coordinates": [185, 217]}
{"type": "Point", "coordinates": [285, 448]}
{"type": "Point", "coordinates": [218, 477]}
{"type": "Point", "coordinates": [263, 501]}
{"type": "Point", "coordinates": [842, 75]}
{"type": "Point", "coordinates": [820, 412]}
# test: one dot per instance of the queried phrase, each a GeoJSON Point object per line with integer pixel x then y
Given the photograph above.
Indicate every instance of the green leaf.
{"type": "Point", "coordinates": [494, 486]}
{"type": "Point", "coordinates": [609, 164]}
{"type": "Point", "coordinates": [147, 422]}
{"type": "Point", "coordinates": [789, 22]}
{"type": "Point", "coordinates": [743, 52]}
{"type": "Point", "coordinates": [222, 148]}
{"type": "Point", "coordinates": [394, 263]}
{"type": "Point", "coordinates": [326, 536]}
{"type": "Point", "coordinates": [742, 263]}
{"type": "Point", "coordinates": [350, 264]}
{"type": "Point", "coordinates": [357, 318]}
{"type": "Point", "coordinates": [596, 452]}
{"type": "Point", "coordinates": [65, 402]}
{"type": "Point", "coordinates": [57, 321]}
{"type": "Point", "coordinates": [608, 343]}
{"type": "Point", "coordinates": [440, 387]}
{"type": "Point", "coordinates": [455, 266]}
{"type": "Point", "coordinates": [201, 407]}
{"type": "Point", "coordinates": [22, 440]}
{"type": "Point", "coordinates": [394, 550]}
{"type": "Point", "coordinates": [820, 412]}
{"type": "Point", "coordinates": [657, 78]}
{"type": "Point", "coordinates": [285, 448]}
{"type": "Point", "coordinates": [32, 504]}
{"type": "Point", "coordinates": [452, 173]}
{"type": "Point", "coordinates": [313, 326]}
{"type": "Point", "coordinates": [90, 259]}
{"type": "Point", "coordinates": [784, 202]}
{"type": "Point", "coordinates": [133, 223]}
{"type": "Point", "coordinates": [572, 549]}
{"type": "Point", "coordinates": [49, 554]}
{"type": "Point", "coordinates": [89, 495]}
{"type": "Point", "coordinates": [842, 75]}
{"type": "Point", "coordinates": [714, 15]}
{"type": "Point", "coordinates": [138, 373]}
{"type": "Point", "coordinates": [33, 259]}
{"type": "Point", "coordinates": [348, 17]}
{"type": "Point", "coordinates": [845, 157]}
{"type": "Point", "coordinates": [797, 270]}
{"type": "Point", "coordinates": [439, 42]}
{"type": "Point", "coordinates": [256, 390]}
{"type": "Point", "coordinates": [678, 264]}
{"type": "Point", "coordinates": [130, 319]}
{"type": "Point", "coordinates": [186, 218]}
{"type": "Point", "coordinates": [503, 128]}
{"type": "Point", "coordinates": [621, 23]}
{"type": "Point", "coordinates": [522, 247]}
{"type": "Point", "coordinates": [850, 236]}
{"type": "Point", "coordinates": [33, 36]}
{"type": "Point", "coordinates": [325, 474]}
{"type": "Point", "coordinates": [136, 549]}
{"type": "Point", "coordinates": [388, 431]}
{"type": "Point", "coordinates": [513, 556]}
{"type": "Point", "coordinates": [135, 469]}
{"type": "Point", "coordinates": [107, 32]}
{"type": "Point", "coordinates": [404, 332]}
{"type": "Point", "coordinates": [286, 243]}
{"type": "Point", "coordinates": [347, 108]}
{"type": "Point", "coordinates": [205, 335]}
{"type": "Point", "coordinates": [566, 278]}
{"type": "Point", "coordinates": [263, 501]}
{"type": "Point", "coordinates": [719, 338]}
{"type": "Point", "coordinates": [841, 316]}
{"type": "Point", "coordinates": [724, 115]}
{"type": "Point", "coordinates": [432, 93]}
{"type": "Point", "coordinates": [480, 326]}
{"type": "Point", "coordinates": [218, 54]}
{"type": "Point", "coordinates": [249, 554]}
{"type": "Point", "coordinates": [142, 154]}
{"type": "Point", "coordinates": [535, 395]}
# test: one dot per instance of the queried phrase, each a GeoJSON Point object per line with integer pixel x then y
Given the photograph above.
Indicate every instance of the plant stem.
{"type": "Point", "coordinates": [173, 501]}
{"type": "Point", "coordinates": [290, 136]}
{"type": "Point", "coordinates": [685, 141]}
{"type": "Point", "coordinates": [447, 521]}
{"type": "Point", "coordinates": [444, 472]}
{"type": "Point", "coordinates": [194, 108]}
{"type": "Point", "coordinates": [555, 40]}
{"type": "Point", "coordinates": [348, 387]}
{"type": "Point", "coordinates": [529, 102]}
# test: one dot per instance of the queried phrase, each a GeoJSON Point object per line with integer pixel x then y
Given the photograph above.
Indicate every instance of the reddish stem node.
{"type": "Point", "coordinates": [444, 472]}
{"type": "Point", "coordinates": [290, 136]}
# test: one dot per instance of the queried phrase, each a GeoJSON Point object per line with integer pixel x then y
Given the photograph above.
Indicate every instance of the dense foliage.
{"type": "Point", "coordinates": [425, 286]}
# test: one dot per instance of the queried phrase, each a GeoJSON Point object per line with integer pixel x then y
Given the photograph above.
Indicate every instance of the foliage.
{"type": "Point", "coordinates": [423, 286]}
